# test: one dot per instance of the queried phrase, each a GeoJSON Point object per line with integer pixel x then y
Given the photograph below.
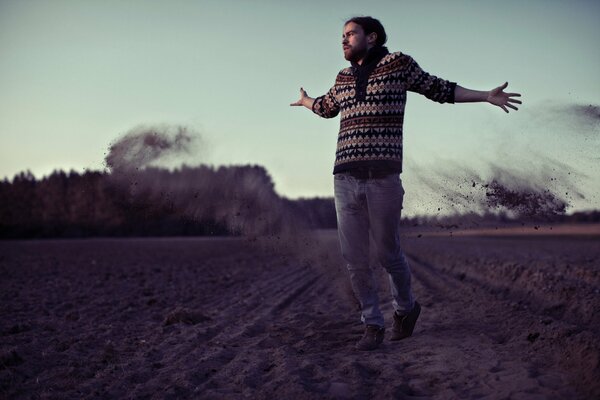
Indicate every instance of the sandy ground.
{"type": "Point", "coordinates": [503, 318]}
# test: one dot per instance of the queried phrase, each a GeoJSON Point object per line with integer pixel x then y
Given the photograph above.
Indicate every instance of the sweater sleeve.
{"type": "Point", "coordinates": [432, 87]}
{"type": "Point", "coordinates": [327, 105]}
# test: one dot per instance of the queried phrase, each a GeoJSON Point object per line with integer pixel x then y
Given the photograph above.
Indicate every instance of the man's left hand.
{"type": "Point", "coordinates": [501, 99]}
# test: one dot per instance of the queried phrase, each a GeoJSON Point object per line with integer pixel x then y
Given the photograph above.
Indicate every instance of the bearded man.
{"type": "Point", "coordinates": [370, 97]}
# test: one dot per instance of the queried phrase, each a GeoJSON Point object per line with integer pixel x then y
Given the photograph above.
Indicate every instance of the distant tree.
{"type": "Point", "coordinates": [19, 206]}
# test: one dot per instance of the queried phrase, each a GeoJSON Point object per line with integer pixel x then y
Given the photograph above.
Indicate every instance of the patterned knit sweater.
{"type": "Point", "coordinates": [370, 133]}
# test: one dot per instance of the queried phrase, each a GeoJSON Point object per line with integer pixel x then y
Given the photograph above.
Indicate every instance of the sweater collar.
{"type": "Point", "coordinates": [374, 55]}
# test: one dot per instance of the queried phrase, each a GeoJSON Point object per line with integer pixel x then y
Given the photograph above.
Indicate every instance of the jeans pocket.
{"type": "Point", "coordinates": [389, 181]}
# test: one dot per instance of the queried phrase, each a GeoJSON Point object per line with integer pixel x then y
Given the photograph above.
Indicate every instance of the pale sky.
{"type": "Point", "coordinates": [76, 75]}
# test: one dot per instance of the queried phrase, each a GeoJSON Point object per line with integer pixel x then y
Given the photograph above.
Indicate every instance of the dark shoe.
{"type": "Point", "coordinates": [372, 338]}
{"type": "Point", "coordinates": [405, 324]}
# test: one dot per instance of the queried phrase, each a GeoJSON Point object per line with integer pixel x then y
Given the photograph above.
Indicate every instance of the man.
{"type": "Point", "coordinates": [371, 96]}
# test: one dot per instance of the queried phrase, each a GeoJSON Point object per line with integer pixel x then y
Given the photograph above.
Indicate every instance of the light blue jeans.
{"type": "Point", "coordinates": [372, 207]}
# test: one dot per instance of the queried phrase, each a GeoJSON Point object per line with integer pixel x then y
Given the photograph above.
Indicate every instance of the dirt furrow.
{"type": "Point", "coordinates": [467, 307]}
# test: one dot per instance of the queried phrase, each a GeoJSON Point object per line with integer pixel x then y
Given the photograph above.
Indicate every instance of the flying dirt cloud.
{"type": "Point", "coordinates": [526, 194]}
{"type": "Point", "coordinates": [588, 116]}
{"type": "Point", "coordinates": [535, 167]}
{"type": "Point", "coordinates": [143, 145]}
{"type": "Point", "coordinates": [241, 197]}
{"type": "Point", "coordinates": [537, 189]}
{"type": "Point", "coordinates": [589, 111]}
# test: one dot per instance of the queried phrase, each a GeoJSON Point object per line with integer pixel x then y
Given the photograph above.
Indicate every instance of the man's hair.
{"type": "Point", "coordinates": [370, 25]}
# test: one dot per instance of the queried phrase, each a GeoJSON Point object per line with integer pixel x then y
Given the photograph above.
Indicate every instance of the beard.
{"type": "Point", "coordinates": [354, 54]}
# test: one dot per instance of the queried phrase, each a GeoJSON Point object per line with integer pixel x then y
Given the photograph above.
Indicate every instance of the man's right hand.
{"type": "Point", "coordinates": [304, 100]}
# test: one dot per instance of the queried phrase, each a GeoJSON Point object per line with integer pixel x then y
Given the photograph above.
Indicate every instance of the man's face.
{"type": "Point", "coordinates": [355, 43]}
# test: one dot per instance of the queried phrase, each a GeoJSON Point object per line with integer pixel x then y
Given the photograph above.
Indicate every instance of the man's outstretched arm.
{"type": "Point", "coordinates": [495, 96]}
{"type": "Point", "coordinates": [325, 106]}
{"type": "Point", "coordinates": [305, 100]}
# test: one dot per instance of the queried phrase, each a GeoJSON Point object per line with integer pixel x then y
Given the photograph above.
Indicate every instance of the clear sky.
{"type": "Point", "coordinates": [76, 75]}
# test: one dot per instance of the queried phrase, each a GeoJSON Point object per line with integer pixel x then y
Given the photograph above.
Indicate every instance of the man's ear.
{"type": "Point", "coordinates": [372, 38]}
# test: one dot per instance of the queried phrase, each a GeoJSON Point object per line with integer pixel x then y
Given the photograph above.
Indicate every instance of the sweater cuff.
{"type": "Point", "coordinates": [317, 99]}
{"type": "Point", "coordinates": [452, 90]}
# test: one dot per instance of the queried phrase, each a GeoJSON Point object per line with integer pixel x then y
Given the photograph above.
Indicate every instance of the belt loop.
{"type": "Point", "coordinates": [370, 173]}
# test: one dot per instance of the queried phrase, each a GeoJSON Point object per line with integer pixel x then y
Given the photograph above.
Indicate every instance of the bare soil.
{"type": "Point", "coordinates": [506, 317]}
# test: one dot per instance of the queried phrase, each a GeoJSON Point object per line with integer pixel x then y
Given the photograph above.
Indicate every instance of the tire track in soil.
{"type": "Point", "coordinates": [259, 313]}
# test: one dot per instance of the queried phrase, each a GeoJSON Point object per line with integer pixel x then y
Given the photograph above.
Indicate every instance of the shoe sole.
{"type": "Point", "coordinates": [410, 321]}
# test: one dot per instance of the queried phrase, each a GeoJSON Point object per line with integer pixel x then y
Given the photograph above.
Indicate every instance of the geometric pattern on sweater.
{"type": "Point", "coordinates": [370, 132]}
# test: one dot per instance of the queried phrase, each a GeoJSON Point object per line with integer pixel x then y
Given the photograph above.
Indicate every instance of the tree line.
{"type": "Point", "coordinates": [153, 202]}
{"type": "Point", "coordinates": [190, 201]}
